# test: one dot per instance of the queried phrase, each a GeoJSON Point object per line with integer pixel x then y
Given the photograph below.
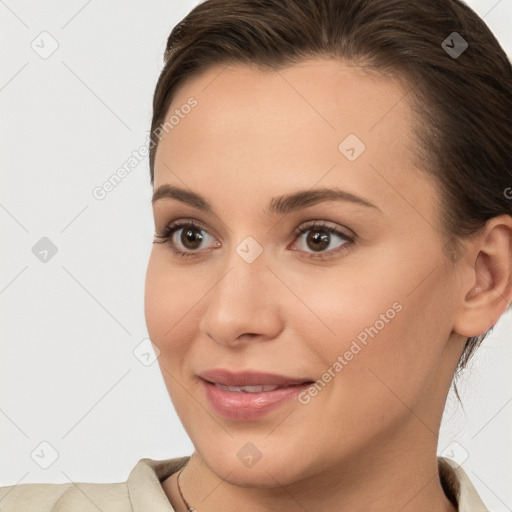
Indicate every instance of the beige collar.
{"type": "Point", "coordinates": [145, 487]}
{"type": "Point", "coordinates": [457, 483]}
{"type": "Point", "coordinates": [146, 491]}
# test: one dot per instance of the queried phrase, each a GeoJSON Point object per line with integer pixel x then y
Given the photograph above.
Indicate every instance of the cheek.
{"type": "Point", "coordinates": [398, 359]}
{"type": "Point", "coordinates": [337, 308]}
{"type": "Point", "coordinates": [168, 304]}
{"type": "Point", "coordinates": [381, 339]}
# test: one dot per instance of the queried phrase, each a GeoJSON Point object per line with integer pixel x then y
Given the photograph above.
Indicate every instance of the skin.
{"type": "Point", "coordinates": [367, 441]}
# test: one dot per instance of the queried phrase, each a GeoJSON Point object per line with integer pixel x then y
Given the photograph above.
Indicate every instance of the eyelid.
{"type": "Point", "coordinates": [348, 240]}
{"type": "Point", "coordinates": [333, 228]}
{"type": "Point", "coordinates": [342, 230]}
{"type": "Point", "coordinates": [184, 222]}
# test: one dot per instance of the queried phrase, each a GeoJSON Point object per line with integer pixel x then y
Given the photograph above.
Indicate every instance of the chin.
{"type": "Point", "coordinates": [271, 465]}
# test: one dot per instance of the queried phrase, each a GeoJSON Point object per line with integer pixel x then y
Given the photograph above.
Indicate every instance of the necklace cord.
{"type": "Point", "coordinates": [189, 508]}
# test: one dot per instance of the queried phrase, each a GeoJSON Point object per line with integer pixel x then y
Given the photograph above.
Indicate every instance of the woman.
{"type": "Point", "coordinates": [333, 239]}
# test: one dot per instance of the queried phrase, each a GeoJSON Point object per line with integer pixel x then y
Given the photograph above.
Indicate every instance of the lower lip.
{"type": "Point", "coordinates": [248, 406]}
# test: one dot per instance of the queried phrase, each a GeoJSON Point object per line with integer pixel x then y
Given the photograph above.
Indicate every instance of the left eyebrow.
{"type": "Point", "coordinates": [305, 198]}
{"type": "Point", "coordinates": [278, 205]}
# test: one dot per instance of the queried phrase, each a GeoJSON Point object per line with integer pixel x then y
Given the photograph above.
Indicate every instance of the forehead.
{"type": "Point", "coordinates": [319, 87]}
{"type": "Point", "coordinates": [320, 119]}
{"type": "Point", "coordinates": [318, 96]}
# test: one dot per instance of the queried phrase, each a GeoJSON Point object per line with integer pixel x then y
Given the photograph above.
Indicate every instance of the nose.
{"type": "Point", "coordinates": [244, 304]}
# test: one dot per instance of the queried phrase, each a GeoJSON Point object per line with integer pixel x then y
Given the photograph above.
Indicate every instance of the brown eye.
{"type": "Point", "coordinates": [191, 238]}
{"type": "Point", "coordinates": [319, 238]}
{"type": "Point", "coordinates": [184, 238]}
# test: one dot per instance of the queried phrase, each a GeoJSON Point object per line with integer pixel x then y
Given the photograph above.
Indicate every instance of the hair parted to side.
{"type": "Point", "coordinates": [462, 106]}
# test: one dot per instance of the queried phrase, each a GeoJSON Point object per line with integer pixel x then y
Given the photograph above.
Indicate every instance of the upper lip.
{"type": "Point", "coordinates": [249, 378]}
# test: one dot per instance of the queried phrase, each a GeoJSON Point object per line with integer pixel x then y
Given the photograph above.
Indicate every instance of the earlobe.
{"type": "Point", "coordinates": [488, 282]}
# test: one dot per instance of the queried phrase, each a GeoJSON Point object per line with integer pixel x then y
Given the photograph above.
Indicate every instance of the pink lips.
{"type": "Point", "coordinates": [244, 405]}
{"type": "Point", "coordinates": [249, 378]}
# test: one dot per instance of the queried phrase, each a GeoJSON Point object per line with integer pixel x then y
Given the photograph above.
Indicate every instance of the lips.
{"type": "Point", "coordinates": [250, 380]}
{"type": "Point", "coordinates": [247, 389]}
{"type": "Point", "coordinates": [249, 395]}
{"type": "Point", "coordinates": [248, 406]}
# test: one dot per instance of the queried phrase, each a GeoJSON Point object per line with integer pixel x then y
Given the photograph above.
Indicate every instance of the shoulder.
{"type": "Point", "coordinates": [69, 496]}
{"type": "Point", "coordinates": [458, 486]}
{"type": "Point", "coordinates": [142, 491]}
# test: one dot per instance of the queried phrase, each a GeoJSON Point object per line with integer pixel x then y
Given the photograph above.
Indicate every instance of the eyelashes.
{"type": "Point", "coordinates": [323, 233]}
{"type": "Point", "coordinates": [168, 234]}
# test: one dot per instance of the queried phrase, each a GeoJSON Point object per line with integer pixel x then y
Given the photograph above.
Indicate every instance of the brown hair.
{"type": "Point", "coordinates": [463, 102]}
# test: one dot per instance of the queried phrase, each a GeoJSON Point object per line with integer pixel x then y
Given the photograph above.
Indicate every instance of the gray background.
{"type": "Point", "coordinates": [70, 324]}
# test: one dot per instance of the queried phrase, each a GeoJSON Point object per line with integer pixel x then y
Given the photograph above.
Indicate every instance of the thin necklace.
{"type": "Point", "coordinates": [189, 508]}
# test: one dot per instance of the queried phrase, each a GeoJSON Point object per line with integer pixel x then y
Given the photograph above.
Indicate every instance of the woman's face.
{"type": "Point", "coordinates": [366, 310]}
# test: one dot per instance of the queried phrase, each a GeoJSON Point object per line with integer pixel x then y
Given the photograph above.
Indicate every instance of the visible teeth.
{"type": "Point", "coordinates": [247, 389]}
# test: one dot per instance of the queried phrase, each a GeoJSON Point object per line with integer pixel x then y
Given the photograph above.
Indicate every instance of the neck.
{"type": "Point", "coordinates": [404, 480]}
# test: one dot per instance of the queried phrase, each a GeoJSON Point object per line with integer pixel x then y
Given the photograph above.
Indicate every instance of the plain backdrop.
{"type": "Point", "coordinates": [77, 393]}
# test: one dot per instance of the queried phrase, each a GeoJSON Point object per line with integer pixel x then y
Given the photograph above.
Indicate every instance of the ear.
{"type": "Point", "coordinates": [486, 271]}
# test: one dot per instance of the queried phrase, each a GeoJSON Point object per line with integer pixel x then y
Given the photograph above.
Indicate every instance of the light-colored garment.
{"type": "Point", "coordinates": [143, 492]}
